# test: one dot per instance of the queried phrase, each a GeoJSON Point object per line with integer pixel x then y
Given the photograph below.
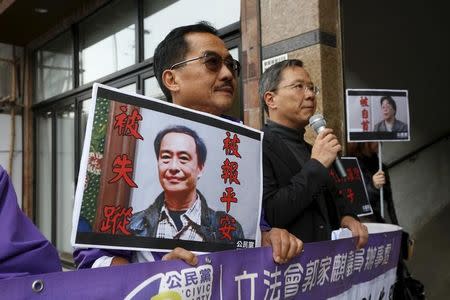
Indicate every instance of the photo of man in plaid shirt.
{"type": "Point", "coordinates": [181, 211]}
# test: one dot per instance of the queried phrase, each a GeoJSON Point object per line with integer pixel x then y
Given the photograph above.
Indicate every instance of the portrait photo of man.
{"type": "Point", "coordinates": [377, 115]}
{"type": "Point", "coordinates": [181, 211]}
{"type": "Point", "coordinates": [389, 121]}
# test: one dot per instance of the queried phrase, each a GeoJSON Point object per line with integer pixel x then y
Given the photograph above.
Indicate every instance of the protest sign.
{"type": "Point", "coordinates": [353, 188]}
{"type": "Point", "coordinates": [155, 175]}
{"type": "Point", "coordinates": [377, 115]}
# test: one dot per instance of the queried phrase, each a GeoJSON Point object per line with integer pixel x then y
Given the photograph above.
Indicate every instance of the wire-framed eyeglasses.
{"type": "Point", "coordinates": [301, 86]}
{"type": "Point", "coordinates": [213, 62]}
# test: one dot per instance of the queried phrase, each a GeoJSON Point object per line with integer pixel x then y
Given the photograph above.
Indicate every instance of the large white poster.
{"type": "Point", "coordinates": [156, 176]}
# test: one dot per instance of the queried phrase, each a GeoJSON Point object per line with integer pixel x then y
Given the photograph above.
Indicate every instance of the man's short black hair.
{"type": "Point", "coordinates": [173, 49]}
{"type": "Point", "coordinates": [271, 78]}
{"type": "Point", "coordinates": [390, 101]}
{"type": "Point", "coordinates": [200, 146]}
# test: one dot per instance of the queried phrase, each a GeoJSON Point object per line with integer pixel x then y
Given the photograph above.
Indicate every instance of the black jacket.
{"type": "Point", "coordinates": [145, 223]}
{"type": "Point", "coordinates": [302, 199]}
{"type": "Point", "coordinates": [369, 166]}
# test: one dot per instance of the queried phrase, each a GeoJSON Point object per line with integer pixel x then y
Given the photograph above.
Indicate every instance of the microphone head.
{"type": "Point", "coordinates": [317, 122]}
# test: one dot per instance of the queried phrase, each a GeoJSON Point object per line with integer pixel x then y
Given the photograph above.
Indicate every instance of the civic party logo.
{"type": "Point", "coordinates": [189, 283]}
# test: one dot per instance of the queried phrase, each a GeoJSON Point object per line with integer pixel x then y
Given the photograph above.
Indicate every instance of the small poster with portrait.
{"type": "Point", "coordinates": [352, 188]}
{"type": "Point", "coordinates": [155, 176]}
{"type": "Point", "coordinates": [377, 115]}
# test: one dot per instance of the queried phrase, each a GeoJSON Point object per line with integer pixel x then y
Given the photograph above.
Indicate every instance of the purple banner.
{"type": "Point", "coordinates": [323, 270]}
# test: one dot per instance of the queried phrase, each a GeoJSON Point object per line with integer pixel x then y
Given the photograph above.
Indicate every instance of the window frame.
{"type": "Point", "coordinates": [136, 73]}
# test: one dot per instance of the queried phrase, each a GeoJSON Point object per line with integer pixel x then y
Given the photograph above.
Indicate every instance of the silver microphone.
{"type": "Point", "coordinates": [318, 123]}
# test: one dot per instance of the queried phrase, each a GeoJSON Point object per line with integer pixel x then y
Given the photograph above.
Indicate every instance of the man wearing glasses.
{"type": "Point", "coordinates": [298, 193]}
{"type": "Point", "coordinates": [194, 69]}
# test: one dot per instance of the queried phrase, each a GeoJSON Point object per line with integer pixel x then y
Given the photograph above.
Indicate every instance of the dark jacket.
{"type": "Point", "coordinates": [145, 223]}
{"type": "Point", "coordinates": [369, 166]}
{"type": "Point", "coordinates": [300, 198]}
{"type": "Point", "coordinates": [398, 126]}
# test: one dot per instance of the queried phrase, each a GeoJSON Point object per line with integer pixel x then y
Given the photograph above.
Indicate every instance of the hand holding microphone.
{"type": "Point", "coordinates": [326, 146]}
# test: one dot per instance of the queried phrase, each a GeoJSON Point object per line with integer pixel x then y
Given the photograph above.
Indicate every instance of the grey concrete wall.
{"type": "Point", "coordinates": [421, 186]}
{"type": "Point", "coordinates": [431, 256]}
{"type": "Point", "coordinates": [405, 45]}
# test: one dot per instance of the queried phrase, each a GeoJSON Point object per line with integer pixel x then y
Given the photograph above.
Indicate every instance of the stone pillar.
{"type": "Point", "coordinates": [309, 30]}
{"type": "Point", "coordinates": [251, 62]}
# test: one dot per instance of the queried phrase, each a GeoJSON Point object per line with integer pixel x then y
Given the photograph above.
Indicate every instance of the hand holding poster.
{"type": "Point", "coordinates": [156, 176]}
{"type": "Point", "coordinates": [377, 115]}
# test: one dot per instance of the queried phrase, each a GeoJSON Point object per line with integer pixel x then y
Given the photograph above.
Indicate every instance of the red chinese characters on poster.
{"type": "Point", "coordinates": [116, 219]}
{"type": "Point", "coordinates": [123, 168]}
{"type": "Point", "coordinates": [230, 174]}
{"type": "Point", "coordinates": [352, 188]}
{"type": "Point", "coordinates": [365, 119]}
{"type": "Point", "coordinates": [230, 145]}
{"type": "Point", "coordinates": [128, 124]}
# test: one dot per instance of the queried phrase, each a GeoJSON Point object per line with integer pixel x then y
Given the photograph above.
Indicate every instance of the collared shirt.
{"type": "Point", "coordinates": [191, 220]}
{"type": "Point", "coordinates": [389, 126]}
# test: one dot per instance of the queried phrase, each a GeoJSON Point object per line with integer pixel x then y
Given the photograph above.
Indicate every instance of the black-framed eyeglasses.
{"type": "Point", "coordinates": [301, 86]}
{"type": "Point", "coordinates": [213, 62]}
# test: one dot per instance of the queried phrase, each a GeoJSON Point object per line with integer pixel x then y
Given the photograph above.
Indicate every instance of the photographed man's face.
{"type": "Point", "coordinates": [178, 163]}
{"type": "Point", "coordinates": [294, 105]}
{"type": "Point", "coordinates": [199, 87]}
{"type": "Point", "coordinates": [387, 110]}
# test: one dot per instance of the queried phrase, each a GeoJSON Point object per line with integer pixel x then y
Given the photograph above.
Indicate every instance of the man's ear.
{"type": "Point", "coordinates": [170, 80]}
{"type": "Point", "coordinates": [200, 173]}
{"type": "Point", "coordinates": [269, 99]}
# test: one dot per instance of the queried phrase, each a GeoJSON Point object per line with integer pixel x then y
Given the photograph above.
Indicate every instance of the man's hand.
{"type": "Point", "coordinates": [358, 230]}
{"type": "Point", "coordinates": [325, 147]}
{"type": "Point", "coordinates": [378, 179]}
{"type": "Point", "coordinates": [284, 245]}
{"type": "Point", "coordinates": [183, 254]}
{"type": "Point", "coordinates": [118, 260]}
